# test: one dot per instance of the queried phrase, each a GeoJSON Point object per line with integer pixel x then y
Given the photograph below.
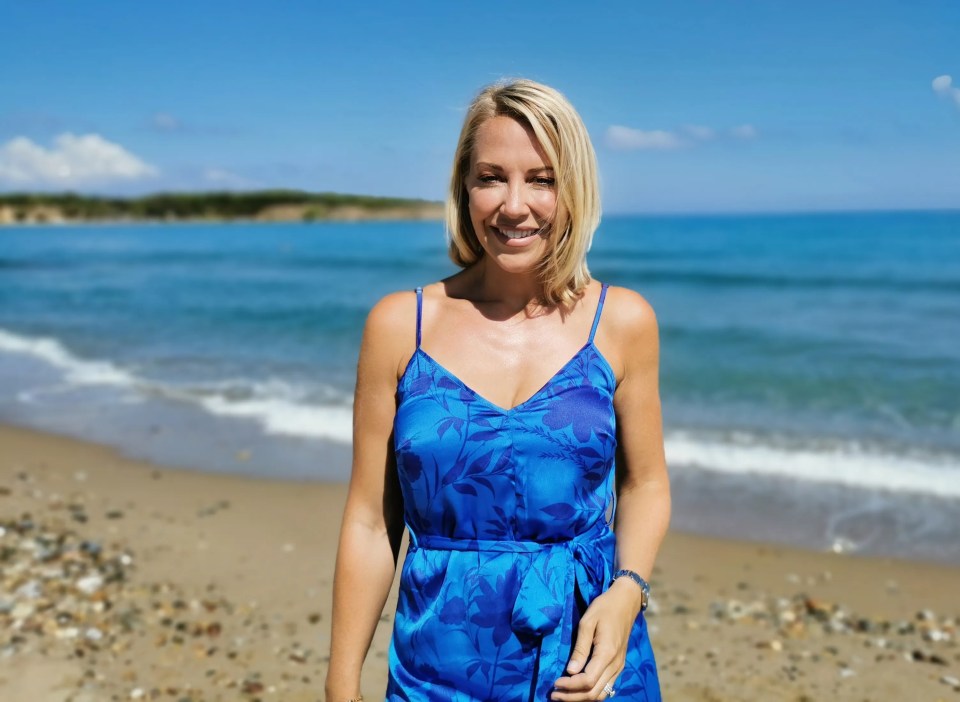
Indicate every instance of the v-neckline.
{"type": "Point", "coordinates": [453, 376]}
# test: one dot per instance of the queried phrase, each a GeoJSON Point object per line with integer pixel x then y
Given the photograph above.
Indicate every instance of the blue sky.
{"type": "Point", "coordinates": [692, 106]}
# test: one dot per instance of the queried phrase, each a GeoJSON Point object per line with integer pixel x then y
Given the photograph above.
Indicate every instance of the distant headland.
{"type": "Point", "coordinates": [258, 206]}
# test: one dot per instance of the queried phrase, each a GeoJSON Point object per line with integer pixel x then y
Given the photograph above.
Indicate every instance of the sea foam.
{"type": "Point", "coordinates": [283, 408]}
{"type": "Point", "coordinates": [277, 405]}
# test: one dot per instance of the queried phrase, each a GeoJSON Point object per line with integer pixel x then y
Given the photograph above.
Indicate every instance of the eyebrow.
{"type": "Point", "coordinates": [495, 167]}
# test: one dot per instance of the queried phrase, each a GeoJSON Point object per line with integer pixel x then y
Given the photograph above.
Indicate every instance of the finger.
{"type": "Point", "coordinates": [580, 694]}
{"type": "Point", "coordinates": [572, 688]}
{"type": "Point", "coordinates": [610, 675]}
{"type": "Point", "coordinates": [600, 668]}
{"type": "Point", "coordinates": [591, 689]}
{"type": "Point", "coordinates": [581, 682]}
{"type": "Point", "coordinates": [581, 651]}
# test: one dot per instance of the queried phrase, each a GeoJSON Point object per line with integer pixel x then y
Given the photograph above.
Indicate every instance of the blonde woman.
{"type": "Point", "coordinates": [508, 418]}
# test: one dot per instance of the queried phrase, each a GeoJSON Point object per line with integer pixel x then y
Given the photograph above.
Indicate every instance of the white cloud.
{"type": "Point", "coordinates": [943, 86]}
{"type": "Point", "coordinates": [73, 161]}
{"type": "Point", "coordinates": [627, 139]}
{"type": "Point", "coordinates": [218, 176]}
{"type": "Point", "coordinates": [165, 122]}
{"type": "Point", "coordinates": [700, 133]}
{"type": "Point", "coordinates": [168, 123]}
{"type": "Point", "coordinates": [744, 131]}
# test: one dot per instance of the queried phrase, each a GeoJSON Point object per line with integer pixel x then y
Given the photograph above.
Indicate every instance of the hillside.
{"type": "Point", "coordinates": [266, 206]}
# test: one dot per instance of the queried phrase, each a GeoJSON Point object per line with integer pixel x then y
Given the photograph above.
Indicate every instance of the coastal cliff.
{"type": "Point", "coordinates": [261, 206]}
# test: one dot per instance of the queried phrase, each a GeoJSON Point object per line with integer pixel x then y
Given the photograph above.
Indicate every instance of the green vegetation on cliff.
{"type": "Point", "coordinates": [264, 204]}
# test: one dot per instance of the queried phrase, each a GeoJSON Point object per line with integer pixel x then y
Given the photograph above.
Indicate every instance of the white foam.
{"type": "Point", "coordinates": [279, 407]}
{"type": "Point", "coordinates": [283, 408]}
{"type": "Point", "coordinates": [840, 462]}
{"type": "Point", "coordinates": [281, 417]}
{"type": "Point", "coordinates": [76, 370]}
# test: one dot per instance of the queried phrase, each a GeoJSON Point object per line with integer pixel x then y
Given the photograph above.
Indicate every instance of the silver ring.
{"type": "Point", "coordinates": [608, 688]}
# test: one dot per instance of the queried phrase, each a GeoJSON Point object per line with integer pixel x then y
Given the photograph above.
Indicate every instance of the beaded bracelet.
{"type": "Point", "coordinates": [635, 577]}
{"type": "Point", "coordinates": [358, 698]}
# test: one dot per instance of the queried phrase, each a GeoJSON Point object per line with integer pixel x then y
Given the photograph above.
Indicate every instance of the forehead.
{"type": "Point", "coordinates": [506, 142]}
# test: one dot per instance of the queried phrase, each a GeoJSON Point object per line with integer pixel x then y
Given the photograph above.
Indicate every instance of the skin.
{"type": "Point", "coordinates": [486, 324]}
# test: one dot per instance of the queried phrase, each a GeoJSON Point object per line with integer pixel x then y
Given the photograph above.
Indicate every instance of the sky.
{"type": "Point", "coordinates": [692, 107]}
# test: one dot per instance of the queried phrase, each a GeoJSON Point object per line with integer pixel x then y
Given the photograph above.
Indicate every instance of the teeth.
{"type": "Point", "coordinates": [517, 233]}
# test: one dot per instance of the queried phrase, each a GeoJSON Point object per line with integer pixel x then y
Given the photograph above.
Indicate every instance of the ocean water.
{"type": "Point", "coordinates": [810, 364]}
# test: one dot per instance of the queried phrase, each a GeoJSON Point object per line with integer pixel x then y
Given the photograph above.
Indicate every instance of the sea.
{"type": "Point", "coordinates": [809, 377]}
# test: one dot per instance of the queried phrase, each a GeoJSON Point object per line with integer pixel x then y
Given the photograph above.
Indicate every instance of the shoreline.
{"type": "Point", "coordinates": [226, 594]}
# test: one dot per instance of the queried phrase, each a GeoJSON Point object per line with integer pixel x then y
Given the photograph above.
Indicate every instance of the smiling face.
{"type": "Point", "coordinates": [512, 194]}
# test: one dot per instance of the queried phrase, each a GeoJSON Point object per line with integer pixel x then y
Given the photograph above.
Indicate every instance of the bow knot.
{"type": "Point", "coordinates": [546, 590]}
{"type": "Point", "coordinates": [545, 603]}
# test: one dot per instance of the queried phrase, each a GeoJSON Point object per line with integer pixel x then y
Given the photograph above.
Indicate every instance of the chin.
{"type": "Point", "coordinates": [517, 264]}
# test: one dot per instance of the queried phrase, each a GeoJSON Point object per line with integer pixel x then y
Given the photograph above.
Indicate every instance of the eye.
{"type": "Point", "coordinates": [545, 181]}
{"type": "Point", "coordinates": [488, 178]}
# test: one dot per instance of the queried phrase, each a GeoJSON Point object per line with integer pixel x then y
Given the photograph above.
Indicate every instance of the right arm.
{"type": "Point", "coordinates": [372, 526]}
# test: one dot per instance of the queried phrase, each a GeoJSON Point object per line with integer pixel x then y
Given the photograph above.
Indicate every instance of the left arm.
{"type": "Point", "coordinates": [643, 504]}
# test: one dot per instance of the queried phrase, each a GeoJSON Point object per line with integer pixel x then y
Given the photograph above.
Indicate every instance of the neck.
{"type": "Point", "coordinates": [514, 291]}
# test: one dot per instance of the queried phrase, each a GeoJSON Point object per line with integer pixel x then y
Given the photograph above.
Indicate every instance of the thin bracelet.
{"type": "Point", "coordinates": [358, 698]}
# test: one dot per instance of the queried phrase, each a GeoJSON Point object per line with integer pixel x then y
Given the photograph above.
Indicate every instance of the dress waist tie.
{"type": "Point", "coordinates": [545, 602]}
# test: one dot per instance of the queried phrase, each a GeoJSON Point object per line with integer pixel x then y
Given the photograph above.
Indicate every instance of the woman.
{"type": "Point", "coordinates": [491, 435]}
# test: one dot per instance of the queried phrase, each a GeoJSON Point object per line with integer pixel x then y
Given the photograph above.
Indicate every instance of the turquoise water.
{"type": "Point", "coordinates": [810, 365]}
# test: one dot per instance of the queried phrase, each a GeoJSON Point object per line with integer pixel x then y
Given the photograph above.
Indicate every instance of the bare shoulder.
{"type": "Point", "coordinates": [630, 317]}
{"type": "Point", "coordinates": [389, 334]}
{"type": "Point", "coordinates": [388, 310]}
{"type": "Point", "coordinates": [632, 329]}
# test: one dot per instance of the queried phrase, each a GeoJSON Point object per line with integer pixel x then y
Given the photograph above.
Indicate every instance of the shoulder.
{"type": "Point", "coordinates": [630, 325]}
{"type": "Point", "coordinates": [390, 313]}
{"type": "Point", "coordinates": [389, 333]}
{"type": "Point", "coordinates": [629, 316]}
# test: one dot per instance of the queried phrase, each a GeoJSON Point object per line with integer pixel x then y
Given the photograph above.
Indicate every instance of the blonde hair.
{"type": "Point", "coordinates": [563, 137]}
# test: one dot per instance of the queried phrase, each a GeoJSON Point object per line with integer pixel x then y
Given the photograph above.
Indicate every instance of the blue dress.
{"type": "Point", "coordinates": [509, 538]}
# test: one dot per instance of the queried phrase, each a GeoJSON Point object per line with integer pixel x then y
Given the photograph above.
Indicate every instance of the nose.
{"type": "Point", "coordinates": [514, 205]}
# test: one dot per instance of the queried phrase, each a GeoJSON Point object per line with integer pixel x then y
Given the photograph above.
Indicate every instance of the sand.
{"type": "Point", "coordinates": [124, 580]}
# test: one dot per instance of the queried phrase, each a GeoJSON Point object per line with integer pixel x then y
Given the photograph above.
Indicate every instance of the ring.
{"type": "Point", "coordinates": [608, 688]}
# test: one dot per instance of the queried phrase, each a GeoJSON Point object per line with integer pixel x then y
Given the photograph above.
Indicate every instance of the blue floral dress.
{"type": "Point", "coordinates": [509, 537]}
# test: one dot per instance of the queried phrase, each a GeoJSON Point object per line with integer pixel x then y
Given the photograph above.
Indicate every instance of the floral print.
{"type": "Point", "coordinates": [509, 535]}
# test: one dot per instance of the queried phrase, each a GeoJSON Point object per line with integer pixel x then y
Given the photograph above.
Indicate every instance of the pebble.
{"type": "Point", "coordinates": [59, 589]}
{"type": "Point", "coordinates": [774, 645]}
{"type": "Point", "coordinates": [65, 595]}
{"type": "Point", "coordinates": [929, 639]}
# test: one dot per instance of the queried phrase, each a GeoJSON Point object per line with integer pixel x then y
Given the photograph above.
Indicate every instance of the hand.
{"type": "Point", "coordinates": [605, 628]}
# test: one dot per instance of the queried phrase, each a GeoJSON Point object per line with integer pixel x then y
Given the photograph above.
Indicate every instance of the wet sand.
{"type": "Point", "coordinates": [124, 580]}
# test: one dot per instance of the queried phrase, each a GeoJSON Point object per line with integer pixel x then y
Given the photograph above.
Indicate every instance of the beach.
{"type": "Point", "coordinates": [124, 579]}
{"type": "Point", "coordinates": [191, 270]}
{"type": "Point", "coordinates": [175, 441]}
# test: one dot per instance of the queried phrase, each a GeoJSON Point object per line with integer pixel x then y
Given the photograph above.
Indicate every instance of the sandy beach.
{"type": "Point", "coordinates": [125, 580]}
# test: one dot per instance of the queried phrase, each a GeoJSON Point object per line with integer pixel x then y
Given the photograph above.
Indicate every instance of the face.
{"type": "Point", "coordinates": [512, 194]}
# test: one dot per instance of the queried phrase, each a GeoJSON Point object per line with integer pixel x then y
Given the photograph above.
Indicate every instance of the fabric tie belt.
{"type": "Point", "coordinates": [545, 602]}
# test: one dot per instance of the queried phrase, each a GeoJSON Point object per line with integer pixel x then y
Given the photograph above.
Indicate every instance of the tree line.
{"type": "Point", "coordinates": [214, 205]}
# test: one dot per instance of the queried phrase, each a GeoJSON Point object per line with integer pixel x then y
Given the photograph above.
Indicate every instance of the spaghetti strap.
{"type": "Point", "coordinates": [419, 312]}
{"type": "Point", "coordinates": [596, 319]}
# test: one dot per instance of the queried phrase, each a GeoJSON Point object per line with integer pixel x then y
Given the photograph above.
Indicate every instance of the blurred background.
{"type": "Point", "coordinates": [780, 182]}
{"type": "Point", "coordinates": [200, 202]}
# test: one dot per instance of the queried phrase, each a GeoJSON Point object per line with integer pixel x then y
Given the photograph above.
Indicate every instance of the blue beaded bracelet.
{"type": "Point", "coordinates": [635, 577]}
